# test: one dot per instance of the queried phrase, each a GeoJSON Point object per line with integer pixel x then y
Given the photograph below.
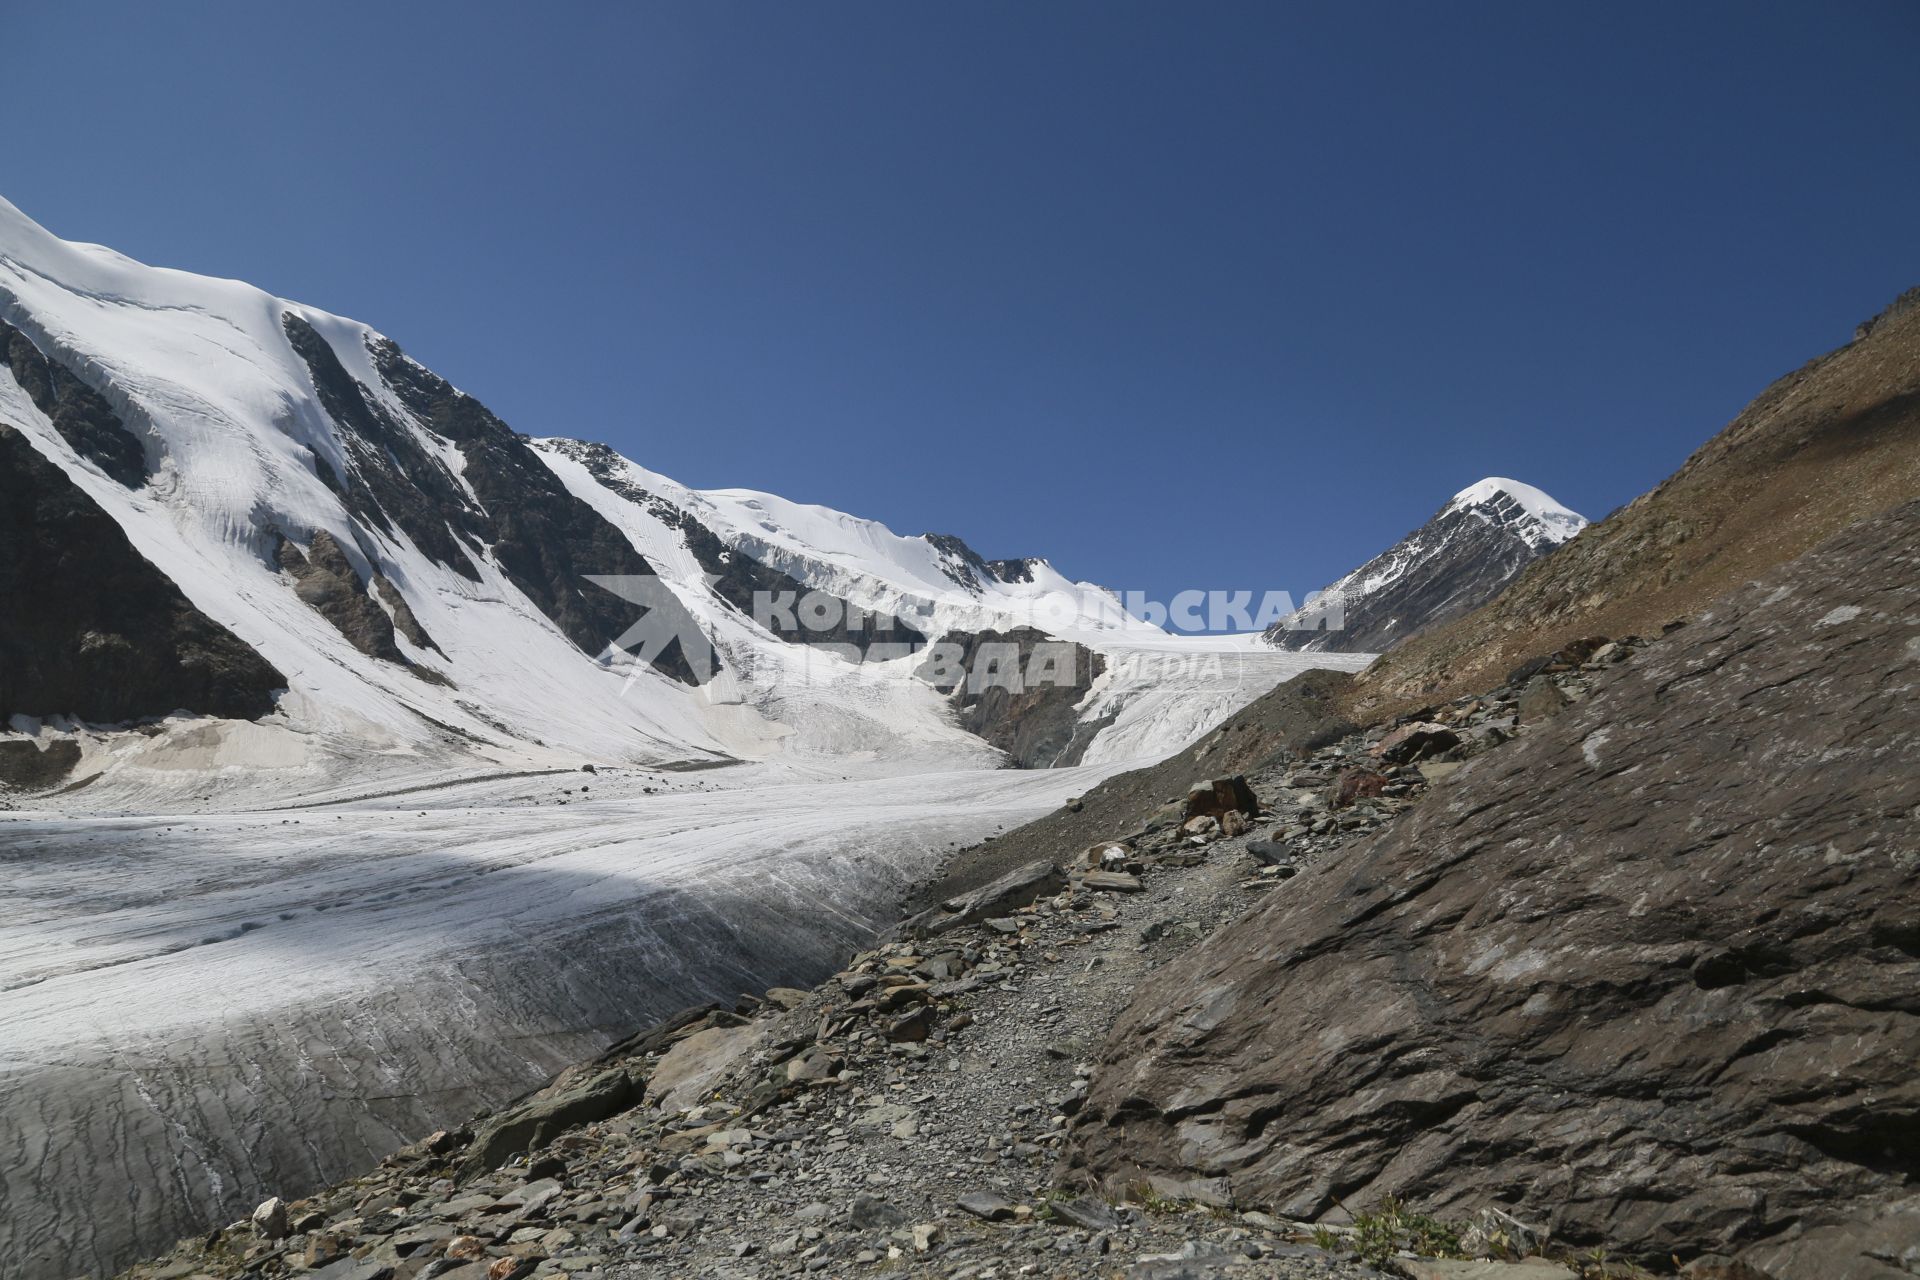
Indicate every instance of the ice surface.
{"type": "Point", "coordinates": [201, 1010]}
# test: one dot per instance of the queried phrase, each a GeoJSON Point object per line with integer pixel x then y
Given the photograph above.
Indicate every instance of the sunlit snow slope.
{"type": "Point", "coordinates": [432, 585]}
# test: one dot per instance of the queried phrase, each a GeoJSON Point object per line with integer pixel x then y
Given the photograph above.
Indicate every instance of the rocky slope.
{"type": "Point", "coordinates": [1299, 715]}
{"type": "Point", "coordinates": [1650, 974]}
{"type": "Point", "coordinates": [1458, 560]}
{"type": "Point", "coordinates": [1834, 442]}
{"type": "Point", "coordinates": [1830, 443]}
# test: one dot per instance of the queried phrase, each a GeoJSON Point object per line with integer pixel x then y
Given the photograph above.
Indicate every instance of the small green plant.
{"type": "Point", "coordinates": [1383, 1233]}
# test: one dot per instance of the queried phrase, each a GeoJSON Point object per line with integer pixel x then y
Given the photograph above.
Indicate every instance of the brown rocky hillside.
{"type": "Point", "coordinates": [1651, 976]}
{"type": "Point", "coordinates": [1830, 443]}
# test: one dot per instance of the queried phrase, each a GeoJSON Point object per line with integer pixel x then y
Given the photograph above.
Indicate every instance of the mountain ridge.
{"type": "Point", "coordinates": [285, 467]}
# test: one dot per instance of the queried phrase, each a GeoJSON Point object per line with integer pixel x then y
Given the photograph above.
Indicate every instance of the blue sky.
{"type": "Point", "coordinates": [1180, 296]}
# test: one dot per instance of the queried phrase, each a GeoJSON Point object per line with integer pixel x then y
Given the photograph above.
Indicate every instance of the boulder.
{"type": "Point", "coordinates": [1217, 796]}
{"type": "Point", "coordinates": [536, 1122]}
{"type": "Point", "coordinates": [1354, 785]}
{"type": "Point", "coordinates": [1113, 882]}
{"type": "Point", "coordinates": [1106, 855]}
{"type": "Point", "coordinates": [1017, 888]}
{"type": "Point", "coordinates": [1649, 976]}
{"type": "Point", "coordinates": [817, 1063]}
{"type": "Point", "coordinates": [1089, 1213]}
{"type": "Point", "coordinates": [694, 1066]}
{"type": "Point", "coordinates": [270, 1219]}
{"type": "Point", "coordinates": [1270, 853]}
{"type": "Point", "coordinates": [1415, 741]}
{"type": "Point", "coordinates": [1542, 699]}
{"type": "Point", "coordinates": [868, 1213]}
{"type": "Point", "coordinates": [989, 1206]}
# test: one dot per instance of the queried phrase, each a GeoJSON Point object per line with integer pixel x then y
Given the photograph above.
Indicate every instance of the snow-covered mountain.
{"type": "Point", "coordinates": [302, 558]}
{"type": "Point", "coordinates": [1472, 547]}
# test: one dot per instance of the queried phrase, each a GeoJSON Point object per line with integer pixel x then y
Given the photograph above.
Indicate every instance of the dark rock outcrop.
{"type": "Point", "coordinates": [27, 766]}
{"type": "Point", "coordinates": [959, 561]}
{"type": "Point", "coordinates": [325, 580]}
{"type": "Point", "coordinates": [1651, 975]}
{"type": "Point", "coordinates": [404, 620]}
{"type": "Point", "coordinates": [78, 412]}
{"type": "Point", "coordinates": [1020, 570]}
{"type": "Point", "coordinates": [391, 477]}
{"type": "Point", "coordinates": [545, 540]}
{"type": "Point", "coordinates": [1018, 690]}
{"type": "Point", "coordinates": [92, 628]}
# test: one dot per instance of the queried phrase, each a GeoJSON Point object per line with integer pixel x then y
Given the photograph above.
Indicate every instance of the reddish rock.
{"type": "Point", "coordinates": [1353, 785]}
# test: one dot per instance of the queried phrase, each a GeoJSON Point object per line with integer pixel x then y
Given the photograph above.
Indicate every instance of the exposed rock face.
{"type": "Point", "coordinates": [78, 413]}
{"type": "Point", "coordinates": [546, 540]}
{"type": "Point", "coordinates": [1831, 443]}
{"type": "Point", "coordinates": [123, 643]}
{"type": "Point", "coordinates": [1651, 975]}
{"type": "Point", "coordinates": [1020, 570]}
{"type": "Point", "coordinates": [391, 478]}
{"type": "Point", "coordinates": [1454, 563]}
{"type": "Point", "coordinates": [743, 581]}
{"type": "Point", "coordinates": [404, 620]}
{"type": "Point", "coordinates": [324, 579]}
{"type": "Point", "coordinates": [1032, 718]}
{"type": "Point", "coordinates": [26, 766]}
{"type": "Point", "coordinates": [958, 560]}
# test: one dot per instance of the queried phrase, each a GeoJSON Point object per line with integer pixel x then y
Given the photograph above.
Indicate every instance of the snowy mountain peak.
{"type": "Point", "coordinates": [1458, 560]}
{"type": "Point", "coordinates": [1533, 512]}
